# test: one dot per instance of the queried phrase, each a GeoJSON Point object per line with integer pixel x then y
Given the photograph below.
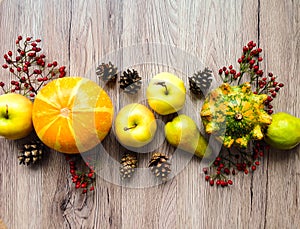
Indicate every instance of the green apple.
{"type": "Point", "coordinates": [15, 116]}
{"type": "Point", "coordinates": [182, 132]}
{"type": "Point", "coordinates": [283, 133]}
{"type": "Point", "coordinates": [135, 125]}
{"type": "Point", "coordinates": [166, 93]}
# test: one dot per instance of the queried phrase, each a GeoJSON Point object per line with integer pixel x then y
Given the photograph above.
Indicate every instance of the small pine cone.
{"type": "Point", "coordinates": [160, 165]}
{"type": "Point", "coordinates": [31, 153]}
{"type": "Point", "coordinates": [128, 165]}
{"type": "Point", "coordinates": [130, 81]}
{"type": "Point", "coordinates": [107, 72]}
{"type": "Point", "coordinates": [200, 82]}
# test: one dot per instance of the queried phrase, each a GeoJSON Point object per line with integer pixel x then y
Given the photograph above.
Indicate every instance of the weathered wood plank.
{"type": "Point", "coordinates": [279, 35]}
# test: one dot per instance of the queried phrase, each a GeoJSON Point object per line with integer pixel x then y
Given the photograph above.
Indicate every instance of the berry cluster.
{"type": "Point", "coordinates": [30, 68]}
{"type": "Point", "coordinates": [230, 163]}
{"type": "Point", "coordinates": [84, 180]}
{"type": "Point", "coordinates": [249, 65]}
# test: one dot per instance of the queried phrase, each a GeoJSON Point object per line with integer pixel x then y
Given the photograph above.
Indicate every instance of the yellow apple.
{"type": "Point", "coordinates": [15, 116]}
{"type": "Point", "coordinates": [166, 93]}
{"type": "Point", "coordinates": [135, 125]}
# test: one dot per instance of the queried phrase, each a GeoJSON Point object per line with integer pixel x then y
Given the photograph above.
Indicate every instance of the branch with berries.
{"type": "Point", "coordinates": [29, 67]}
{"type": "Point", "coordinates": [249, 67]}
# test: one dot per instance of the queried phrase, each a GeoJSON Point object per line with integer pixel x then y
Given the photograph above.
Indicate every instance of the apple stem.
{"type": "Point", "coordinates": [163, 84]}
{"type": "Point", "coordinates": [6, 113]}
{"type": "Point", "coordinates": [128, 128]}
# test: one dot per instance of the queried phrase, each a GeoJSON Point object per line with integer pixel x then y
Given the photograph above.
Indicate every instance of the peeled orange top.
{"type": "Point", "coordinates": [72, 114]}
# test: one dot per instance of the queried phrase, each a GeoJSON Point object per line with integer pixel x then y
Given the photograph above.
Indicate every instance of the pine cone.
{"type": "Point", "coordinates": [128, 165]}
{"type": "Point", "coordinates": [160, 165]}
{"type": "Point", "coordinates": [200, 82]}
{"type": "Point", "coordinates": [31, 152]}
{"type": "Point", "coordinates": [130, 81]}
{"type": "Point", "coordinates": [107, 72]}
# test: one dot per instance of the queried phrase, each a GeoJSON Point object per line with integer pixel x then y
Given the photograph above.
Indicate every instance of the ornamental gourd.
{"type": "Point", "coordinates": [235, 115]}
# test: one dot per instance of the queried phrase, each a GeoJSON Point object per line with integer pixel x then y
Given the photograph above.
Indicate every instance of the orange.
{"type": "Point", "coordinates": [72, 114]}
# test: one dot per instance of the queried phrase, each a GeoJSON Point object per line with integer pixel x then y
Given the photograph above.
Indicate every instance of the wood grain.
{"type": "Point", "coordinates": [80, 34]}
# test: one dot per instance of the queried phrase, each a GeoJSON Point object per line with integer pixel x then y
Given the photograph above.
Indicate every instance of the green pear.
{"type": "Point", "coordinates": [284, 131]}
{"type": "Point", "coordinates": [183, 133]}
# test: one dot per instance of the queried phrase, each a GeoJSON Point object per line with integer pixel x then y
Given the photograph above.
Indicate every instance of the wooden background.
{"type": "Point", "coordinates": [78, 34]}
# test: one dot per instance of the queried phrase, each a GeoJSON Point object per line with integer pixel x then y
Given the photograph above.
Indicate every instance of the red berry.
{"type": "Point", "coordinates": [245, 49]}
{"type": "Point", "coordinates": [250, 43]}
{"type": "Point", "coordinates": [259, 49]}
{"type": "Point", "coordinates": [4, 66]}
{"type": "Point", "coordinates": [227, 171]}
{"type": "Point", "coordinates": [49, 65]}
{"type": "Point", "coordinates": [260, 72]}
{"type": "Point", "coordinates": [28, 38]}
{"type": "Point", "coordinates": [281, 85]}
{"type": "Point", "coordinates": [246, 171]}
{"type": "Point", "coordinates": [260, 59]}
{"type": "Point", "coordinates": [84, 191]}
{"type": "Point", "coordinates": [11, 70]}
{"type": "Point", "coordinates": [230, 182]}
{"type": "Point", "coordinates": [205, 170]}
{"type": "Point", "coordinates": [269, 99]}
{"type": "Point", "coordinates": [83, 185]}
{"type": "Point", "coordinates": [33, 44]}
{"type": "Point", "coordinates": [31, 95]}
{"type": "Point", "coordinates": [9, 53]}
{"type": "Point", "coordinates": [90, 175]}
{"type": "Point", "coordinates": [270, 74]}
{"type": "Point", "coordinates": [257, 162]}
{"type": "Point", "coordinates": [72, 171]}
{"type": "Point", "coordinates": [2, 84]}
{"type": "Point", "coordinates": [38, 40]}
{"type": "Point", "coordinates": [270, 106]}
{"type": "Point", "coordinates": [92, 188]}
{"type": "Point", "coordinates": [218, 182]}
{"type": "Point", "coordinates": [22, 53]}
{"type": "Point", "coordinates": [240, 60]}
{"type": "Point", "coordinates": [207, 178]}
{"type": "Point", "coordinates": [20, 38]}
{"type": "Point", "coordinates": [42, 56]}
{"type": "Point", "coordinates": [54, 63]}
{"type": "Point", "coordinates": [223, 183]}
{"type": "Point", "coordinates": [270, 112]}
{"type": "Point", "coordinates": [77, 186]}
{"type": "Point", "coordinates": [211, 182]}
{"type": "Point", "coordinates": [252, 62]}
{"type": "Point", "coordinates": [253, 167]}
